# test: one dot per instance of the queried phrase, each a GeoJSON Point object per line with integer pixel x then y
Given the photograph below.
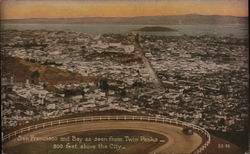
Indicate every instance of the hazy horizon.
{"type": "Point", "coordinates": [132, 17]}
{"type": "Point", "coordinates": [24, 9]}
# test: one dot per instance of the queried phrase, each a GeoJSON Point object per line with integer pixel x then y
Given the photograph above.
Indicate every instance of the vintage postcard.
{"type": "Point", "coordinates": [124, 77]}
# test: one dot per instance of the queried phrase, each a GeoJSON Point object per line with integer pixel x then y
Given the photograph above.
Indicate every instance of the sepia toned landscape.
{"type": "Point", "coordinates": [125, 85]}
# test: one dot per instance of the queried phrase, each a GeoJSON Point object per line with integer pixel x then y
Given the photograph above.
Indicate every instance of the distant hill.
{"type": "Point", "coordinates": [191, 19]}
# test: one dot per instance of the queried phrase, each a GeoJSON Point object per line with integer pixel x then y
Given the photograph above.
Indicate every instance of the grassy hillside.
{"type": "Point", "coordinates": [35, 72]}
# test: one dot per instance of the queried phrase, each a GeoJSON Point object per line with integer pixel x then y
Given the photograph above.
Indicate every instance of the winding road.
{"type": "Point", "coordinates": [177, 141]}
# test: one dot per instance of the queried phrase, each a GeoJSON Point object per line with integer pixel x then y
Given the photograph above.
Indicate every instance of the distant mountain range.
{"type": "Point", "coordinates": [190, 19]}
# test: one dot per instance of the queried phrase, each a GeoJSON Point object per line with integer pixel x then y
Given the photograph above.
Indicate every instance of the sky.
{"type": "Point", "coordinates": [19, 9]}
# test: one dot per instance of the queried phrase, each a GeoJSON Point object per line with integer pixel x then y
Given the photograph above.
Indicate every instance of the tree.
{"type": "Point", "coordinates": [103, 84]}
{"type": "Point", "coordinates": [121, 92]}
{"type": "Point", "coordinates": [221, 122]}
{"type": "Point", "coordinates": [138, 85]}
{"type": "Point", "coordinates": [137, 37]}
{"type": "Point", "coordinates": [83, 51]}
{"type": "Point", "coordinates": [34, 75]}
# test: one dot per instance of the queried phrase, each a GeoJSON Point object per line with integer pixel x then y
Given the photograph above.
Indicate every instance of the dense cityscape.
{"type": "Point", "coordinates": [204, 79]}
